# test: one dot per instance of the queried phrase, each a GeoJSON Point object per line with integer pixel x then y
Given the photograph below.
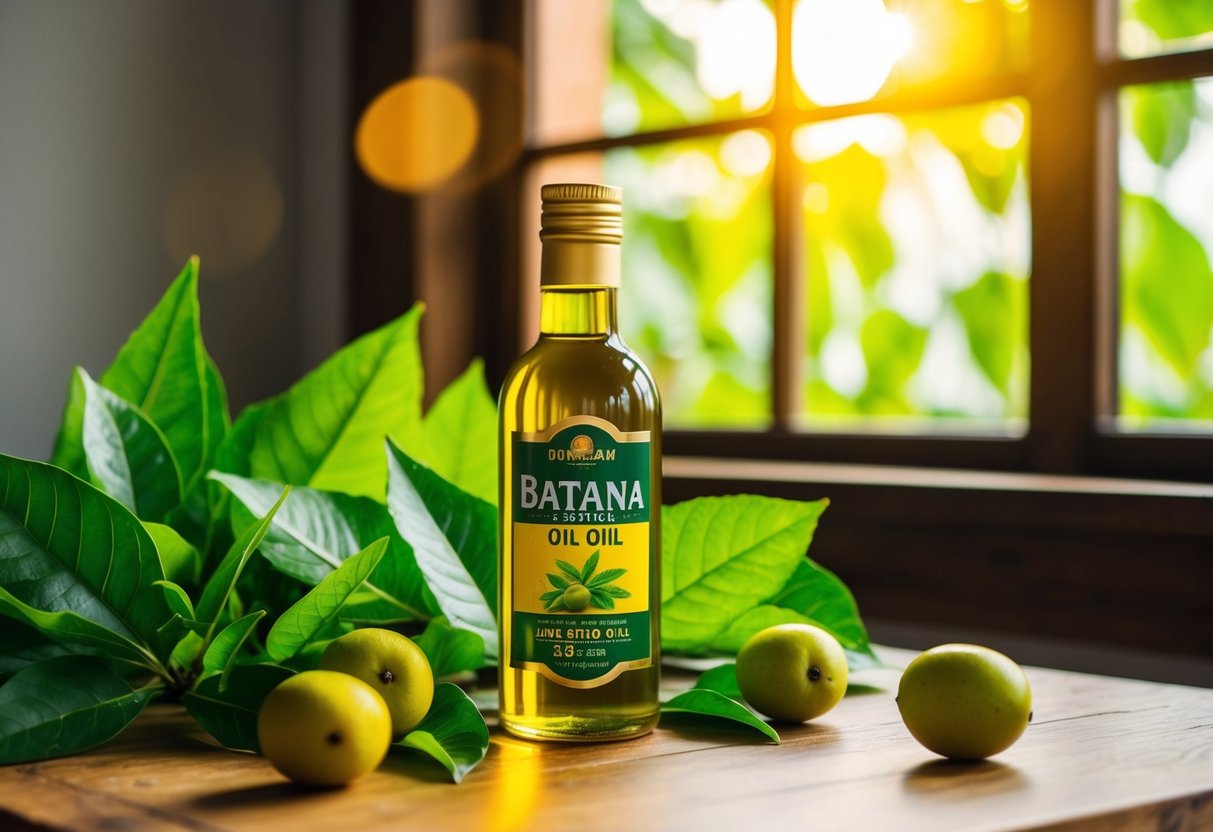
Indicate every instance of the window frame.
{"type": "Point", "coordinates": [1070, 83]}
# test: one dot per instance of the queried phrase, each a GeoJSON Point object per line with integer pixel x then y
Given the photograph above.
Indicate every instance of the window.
{"type": "Point", "coordinates": [931, 232]}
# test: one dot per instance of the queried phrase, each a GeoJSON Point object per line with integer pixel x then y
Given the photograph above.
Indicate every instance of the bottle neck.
{"type": "Point", "coordinates": [572, 311]}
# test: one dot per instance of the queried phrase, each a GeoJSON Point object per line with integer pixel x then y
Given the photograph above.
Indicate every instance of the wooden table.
{"type": "Point", "coordinates": [1101, 754]}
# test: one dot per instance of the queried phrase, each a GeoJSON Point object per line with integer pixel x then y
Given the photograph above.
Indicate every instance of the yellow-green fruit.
{"type": "Point", "coordinates": [323, 728]}
{"type": "Point", "coordinates": [390, 663]}
{"type": "Point", "coordinates": [964, 701]}
{"type": "Point", "coordinates": [792, 672]}
{"type": "Point", "coordinates": [576, 597]}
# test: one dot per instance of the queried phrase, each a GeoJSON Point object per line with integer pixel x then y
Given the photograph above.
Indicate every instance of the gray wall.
{"type": "Point", "coordinates": [136, 132]}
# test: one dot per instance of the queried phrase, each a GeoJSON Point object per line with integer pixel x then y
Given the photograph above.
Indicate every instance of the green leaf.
{"type": "Point", "coordinates": [220, 586]}
{"type": "Point", "coordinates": [178, 600]}
{"type": "Point", "coordinates": [722, 556]}
{"type": "Point", "coordinates": [299, 625]}
{"type": "Point", "coordinates": [69, 554]}
{"type": "Point", "coordinates": [179, 560]}
{"type": "Point", "coordinates": [161, 369]}
{"type": "Point", "coordinates": [220, 657]}
{"type": "Point", "coordinates": [590, 565]}
{"type": "Point", "coordinates": [68, 452]}
{"type": "Point", "coordinates": [126, 454]}
{"type": "Point", "coordinates": [604, 577]}
{"type": "Point", "coordinates": [557, 581]}
{"type": "Point", "coordinates": [327, 431]}
{"type": "Point", "coordinates": [571, 571]}
{"type": "Point", "coordinates": [614, 591]}
{"type": "Point", "coordinates": [892, 349]}
{"type": "Point", "coordinates": [72, 628]}
{"type": "Point", "coordinates": [722, 679]}
{"type": "Point", "coordinates": [315, 531]}
{"type": "Point", "coordinates": [462, 431]}
{"type": "Point", "coordinates": [449, 649]}
{"type": "Point", "coordinates": [229, 714]}
{"type": "Point", "coordinates": [601, 600]}
{"type": "Point", "coordinates": [454, 538]}
{"type": "Point", "coordinates": [1161, 117]}
{"type": "Point", "coordinates": [702, 702]}
{"type": "Point", "coordinates": [760, 618]}
{"type": "Point", "coordinates": [62, 706]}
{"type": "Point", "coordinates": [453, 732]}
{"type": "Point", "coordinates": [994, 311]}
{"type": "Point", "coordinates": [22, 645]}
{"type": "Point", "coordinates": [1167, 282]}
{"type": "Point", "coordinates": [820, 595]}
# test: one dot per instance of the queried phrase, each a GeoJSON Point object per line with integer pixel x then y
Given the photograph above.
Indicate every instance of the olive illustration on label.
{"type": "Point", "coordinates": [578, 589]}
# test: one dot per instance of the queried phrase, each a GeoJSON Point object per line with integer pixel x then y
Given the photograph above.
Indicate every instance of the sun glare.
{"type": "Point", "coordinates": [843, 52]}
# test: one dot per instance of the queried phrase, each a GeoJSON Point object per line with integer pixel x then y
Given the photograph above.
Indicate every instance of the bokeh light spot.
{"type": "Point", "coordinates": [843, 52]}
{"type": "Point", "coordinates": [417, 134]}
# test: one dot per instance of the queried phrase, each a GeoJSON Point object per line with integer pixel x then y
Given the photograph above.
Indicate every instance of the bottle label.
{"type": "Point", "coordinates": [581, 552]}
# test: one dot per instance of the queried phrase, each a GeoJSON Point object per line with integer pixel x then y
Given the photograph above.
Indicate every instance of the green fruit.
{"type": "Point", "coordinates": [323, 728]}
{"type": "Point", "coordinates": [393, 665]}
{"type": "Point", "coordinates": [792, 672]}
{"type": "Point", "coordinates": [576, 597]}
{"type": "Point", "coordinates": [964, 701]}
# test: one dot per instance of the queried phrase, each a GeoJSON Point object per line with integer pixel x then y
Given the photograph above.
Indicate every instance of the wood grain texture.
{"type": "Point", "coordinates": [1101, 754]}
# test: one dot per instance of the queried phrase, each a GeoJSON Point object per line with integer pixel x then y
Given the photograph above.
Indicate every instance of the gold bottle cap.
{"type": "Point", "coordinates": [581, 228]}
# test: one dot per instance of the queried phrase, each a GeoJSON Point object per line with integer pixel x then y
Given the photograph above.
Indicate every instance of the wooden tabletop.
{"type": "Point", "coordinates": [1101, 753]}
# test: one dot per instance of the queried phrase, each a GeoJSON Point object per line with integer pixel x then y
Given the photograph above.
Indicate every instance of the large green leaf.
{"type": "Point", "coordinates": [22, 645]}
{"type": "Point", "coordinates": [454, 538]}
{"type": "Point", "coordinates": [715, 706]}
{"type": "Point", "coordinates": [220, 657]}
{"type": "Point", "coordinates": [994, 311]}
{"type": "Point", "coordinates": [453, 732]}
{"type": "Point", "coordinates": [327, 431]}
{"type": "Point", "coordinates": [1172, 19]}
{"type": "Point", "coordinates": [819, 594]}
{"type": "Point", "coordinates": [178, 558]}
{"type": "Point", "coordinates": [1161, 116]}
{"type": "Point", "coordinates": [68, 452]}
{"type": "Point", "coordinates": [126, 454]}
{"type": "Point", "coordinates": [859, 657]}
{"type": "Point", "coordinates": [217, 590]}
{"type": "Point", "coordinates": [722, 679]}
{"type": "Point", "coordinates": [450, 650]}
{"type": "Point", "coordinates": [229, 714]}
{"type": "Point", "coordinates": [71, 628]}
{"type": "Point", "coordinates": [69, 551]}
{"type": "Point", "coordinates": [62, 706]}
{"type": "Point", "coordinates": [722, 556]}
{"type": "Point", "coordinates": [315, 531]}
{"type": "Point", "coordinates": [1167, 282]}
{"type": "Point", "coordinates": [161, 369]}
{"type": "Point", "coordinates": [462, 431]}
{"type": "Point", "coordinates": [299, 625]}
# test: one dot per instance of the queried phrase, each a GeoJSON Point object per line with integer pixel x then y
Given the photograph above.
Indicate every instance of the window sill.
{"type": "Point", "coordinates": [1114, 562]}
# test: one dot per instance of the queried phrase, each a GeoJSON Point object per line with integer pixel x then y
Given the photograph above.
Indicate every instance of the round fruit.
{"type": "Point", "coordinates": [393, 665]}
{"type": "Point", "coordinates": [323, 728]}
{"type": "Point", "coordinates": [576, 597]}
{"type": "Point", "coordinates": [792, 672]}
{"type": "Point", "coordinates": [964, 701]}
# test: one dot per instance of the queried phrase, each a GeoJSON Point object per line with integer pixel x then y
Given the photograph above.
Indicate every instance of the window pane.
{"type": "Point", "coordinates": [1166, 245]}
{"type": "Point", "coordinates": [844, 52]}
{"type": "Point", "coordinates": [697, 285]}
{"type": "Point", "coordinates": [1148, 27]}
{"type": "Point", "coordinates": [625, 66]}
{"type": "Point", "coordinates": [916, 252]}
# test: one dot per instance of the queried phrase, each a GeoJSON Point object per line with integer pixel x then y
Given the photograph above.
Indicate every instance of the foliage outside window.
{"type": "Point", "coordinates": [906, 242]}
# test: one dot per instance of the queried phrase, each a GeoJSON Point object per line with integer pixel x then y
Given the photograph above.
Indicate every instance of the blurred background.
{"type": "Point", "coordinates": [949, 261]}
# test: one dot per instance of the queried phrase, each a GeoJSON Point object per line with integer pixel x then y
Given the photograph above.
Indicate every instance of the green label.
{"type": "Point", "coordinates": [581, 543]}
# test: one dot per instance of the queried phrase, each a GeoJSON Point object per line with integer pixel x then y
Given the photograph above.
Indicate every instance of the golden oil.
{"type": "Point", "coordinates": [580, 496]}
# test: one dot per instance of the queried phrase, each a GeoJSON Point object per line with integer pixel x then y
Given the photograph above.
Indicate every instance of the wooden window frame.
{"type": "Point", "coordinates": [1067, 540]}
{"type": "Point", "coordinates": [1070, 84]}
